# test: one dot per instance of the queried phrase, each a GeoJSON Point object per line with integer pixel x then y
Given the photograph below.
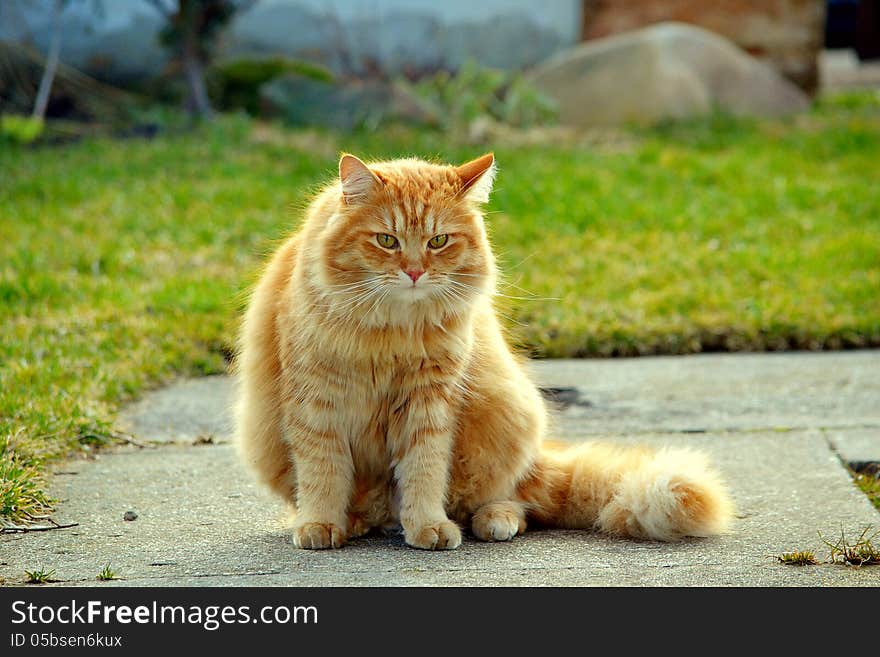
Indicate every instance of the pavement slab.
{"type": "Point", "coordinates": [780, 427]}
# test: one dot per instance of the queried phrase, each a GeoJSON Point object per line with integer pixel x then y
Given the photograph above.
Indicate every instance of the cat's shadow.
{"type": "Point", "coordinates": [387, 554]}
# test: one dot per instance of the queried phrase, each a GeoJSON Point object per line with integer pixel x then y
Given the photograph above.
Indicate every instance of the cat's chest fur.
{"type": "Point", "coordinates": [362, 381]}
{"type": "Point", "coordinates": [382, 381]}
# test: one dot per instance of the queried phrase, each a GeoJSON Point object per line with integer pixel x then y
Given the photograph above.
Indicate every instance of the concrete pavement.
{"type": "Point", "coordinates": [780, 427]}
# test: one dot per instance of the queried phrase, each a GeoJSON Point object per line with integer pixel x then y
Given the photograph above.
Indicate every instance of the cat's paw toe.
{"type": "Point", "coordinates": [497, 523]}
{"type": "Point", "coordinates": [443, 535]}
{"type": "Point", "coordinates": [357, 527]}
{"type": "Point", "coordinates": [318, 536]}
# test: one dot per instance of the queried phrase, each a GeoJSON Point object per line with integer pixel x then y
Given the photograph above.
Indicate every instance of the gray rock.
{"type": "Point", "coordinates": [665, 71]}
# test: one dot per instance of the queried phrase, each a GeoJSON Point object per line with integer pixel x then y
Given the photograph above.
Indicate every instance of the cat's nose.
{"type": "Point", "coordinates": [414, 274]}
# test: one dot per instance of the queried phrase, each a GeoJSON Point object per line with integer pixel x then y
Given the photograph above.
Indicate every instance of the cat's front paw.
{"type": "Point", "coordinates": [500, 521]}
{"type": "Point", "coordinates": [317, 536]}
{"type": "Point", "coordinates": [443, 535]}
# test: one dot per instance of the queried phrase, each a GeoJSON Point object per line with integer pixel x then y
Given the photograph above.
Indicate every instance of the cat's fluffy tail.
{"type": "Point", "coordinates": [627, 491]}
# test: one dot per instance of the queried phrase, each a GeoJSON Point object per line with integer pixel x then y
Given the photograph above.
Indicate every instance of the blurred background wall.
{"type": "Point", "coordinates": [116, 40]}
{"type": "Point", "coordinates": [813, 43]}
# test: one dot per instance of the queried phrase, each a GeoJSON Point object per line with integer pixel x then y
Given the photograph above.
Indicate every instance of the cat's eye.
{"type": "Point", "coordinates": [438, 241]}
{"type": "Point", "coordinates": [387, 241]}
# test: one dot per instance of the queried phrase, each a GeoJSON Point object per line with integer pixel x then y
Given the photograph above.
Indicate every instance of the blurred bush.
{"type": "Point", "coordinates": [235, 84]}
{"type": "Point", "coordinates": [451, 101]}
{"type": "Point", "coordinates": [341, 105]}
{"type": "Point", "coordinates": [75, 97]}
{"type": "Point", "coordinates": [20, 129]}
{"type": "Point", "coordinates": [474, 92]}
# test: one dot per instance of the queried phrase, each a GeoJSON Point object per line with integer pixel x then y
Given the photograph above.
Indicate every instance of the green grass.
{"type": "Point", "coordinates": [107, 574]}
{"type": "Point", "coordinates": [869, 484]}
{"type": "Point", "coordinates": [858, 552]}
{"type": "Point", "coordinates": [123, 263]}
{"type": "Point", "coordinates": [798, 558]}
{"type": "Point", "coordinates": [40, 576]}
{"type": "Point", "coordinates": [845, 551]}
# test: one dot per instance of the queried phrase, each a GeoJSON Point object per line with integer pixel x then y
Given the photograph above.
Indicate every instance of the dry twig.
{"type": "Point", "coordinates": [10, 528]}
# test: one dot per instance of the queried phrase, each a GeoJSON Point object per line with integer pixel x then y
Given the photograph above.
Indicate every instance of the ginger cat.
{"type": "Point", "coordinates": [376, 386]}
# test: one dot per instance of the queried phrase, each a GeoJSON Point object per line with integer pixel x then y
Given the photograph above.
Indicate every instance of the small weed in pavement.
{"type": "Point", "coordinates": [862, 552]}
{"type": "Point", "coordinates": [107, 574]}
{"type": "Point", "coordinates": [798, 558]}
{"type": "Point", "coordinates": [40, 576]}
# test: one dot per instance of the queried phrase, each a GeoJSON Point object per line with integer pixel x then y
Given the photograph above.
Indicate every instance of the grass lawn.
{"type": "Point", "coordinates": [126, 263]}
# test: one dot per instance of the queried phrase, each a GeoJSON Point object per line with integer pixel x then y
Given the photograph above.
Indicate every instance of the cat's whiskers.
{"type": "Point", "coordinates": [353, 296]}
{"type": "Point", "coordinates": [336, 290]}
{"type": "Point", "coordinates": [446, 300]}
{"type": "Point", "coordinates": [496, 293]}
{"type": "Point", "coordinates": [379, 299]}
{"type": "Point", "coordinates": [350, 271]}
{"type": "Point", "coordinates": [374, 294]}
{"type": "Point", "coordinates": [331, 295]}
{"type": "Point", "coordinates": [502, 282]}
{"type": "Point", "coordinates": [352, 303]}
{"type": "Point", "coordinates": [453, 302]}
{"type": "Point", "coordinates": [510, 319]}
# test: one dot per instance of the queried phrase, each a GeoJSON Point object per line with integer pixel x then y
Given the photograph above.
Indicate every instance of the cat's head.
{"type": "Point", "coordinates": [408, 234]}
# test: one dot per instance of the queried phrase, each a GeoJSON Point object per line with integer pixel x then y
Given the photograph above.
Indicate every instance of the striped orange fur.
{"type": "Point", "coordinates": [376, 386]}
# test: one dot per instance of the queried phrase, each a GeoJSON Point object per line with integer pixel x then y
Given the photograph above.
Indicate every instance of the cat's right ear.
{"type": "Point", "coordinates": [357, 179]}
{"type": "Point", "coordinates": [477, 177]}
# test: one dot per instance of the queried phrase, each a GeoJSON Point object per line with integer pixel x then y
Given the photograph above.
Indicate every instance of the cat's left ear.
{"type": "Point", "coordinates": [357, 179]}
{"type": "Point", "coordinates": [477, 177]}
